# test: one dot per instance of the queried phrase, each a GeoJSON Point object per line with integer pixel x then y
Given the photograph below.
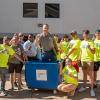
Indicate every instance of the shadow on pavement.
{"type": "Point", "coordinates": [48, 94]}
{"type": "Point", "coordinates": [18, 94]}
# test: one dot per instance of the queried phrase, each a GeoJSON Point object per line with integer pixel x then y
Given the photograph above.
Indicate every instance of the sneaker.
{"type": "Point", "coordinates": [20, 88]}
{"type": "Point", "coordinates": [15, 84]}
{"type": "Point", "coordinates": [82, 89]}
{"type": "Point", "coordinates": [92, 93]}
{"type": "Point", "coordinates": [3, 93]}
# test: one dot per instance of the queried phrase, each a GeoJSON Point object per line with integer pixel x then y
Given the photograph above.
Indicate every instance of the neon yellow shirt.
{"type": "Point", "coordinates": [75, 43]}
{"type": "Point", "coordinates": [67, 78]}
{"type": "Point", "coordinates": [4, 55]}
{"type": "Point", "coordinates": [58, 56]}
{"type": "Point", "coordinates": [86, 54]}
{"type": "Point", "coordinates": [58, 53]}
{"type": "Point", "coordinates": [64, 49]}
{"type": "Point", "coordinates": [97, 50]}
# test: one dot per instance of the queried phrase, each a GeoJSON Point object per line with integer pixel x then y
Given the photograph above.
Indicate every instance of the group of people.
{"type": "Point", "coordinates": [14, 52]}
{"type": "Point", "coordinates": [46, 47]}
{"type": "Point", "coordinates": [76, 53]}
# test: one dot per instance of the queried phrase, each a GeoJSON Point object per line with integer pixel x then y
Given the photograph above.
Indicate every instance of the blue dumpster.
{"type": "Point", "coordinates": [42, 75]}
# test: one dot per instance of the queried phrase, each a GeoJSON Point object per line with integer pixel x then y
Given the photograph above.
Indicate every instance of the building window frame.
{"type": "Point", "coordinates": [53, 8]}
{"type": "Point", "coordinates": [27, 10]}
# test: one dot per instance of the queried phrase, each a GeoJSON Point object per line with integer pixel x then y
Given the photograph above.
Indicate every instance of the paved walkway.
{"type": "Point", "coordinates": [28, 94]}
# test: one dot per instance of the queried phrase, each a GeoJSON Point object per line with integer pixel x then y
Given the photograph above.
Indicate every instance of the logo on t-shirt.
{"type": "Point", "coordinates": [84, 45]}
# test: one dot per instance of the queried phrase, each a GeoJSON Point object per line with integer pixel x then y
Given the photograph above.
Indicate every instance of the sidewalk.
{"type": "Point", "coordinates": [28, 94]}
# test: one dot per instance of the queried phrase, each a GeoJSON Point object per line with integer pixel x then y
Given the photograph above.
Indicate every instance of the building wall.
{"type": "Point", "coordinates": [74, 15]}
{"type": "Point", "coordinates": [81, 14]}
{"type": "Point", "coordinates": [31, 24]}
{"type": "Point", "coordinates": [8, 16]}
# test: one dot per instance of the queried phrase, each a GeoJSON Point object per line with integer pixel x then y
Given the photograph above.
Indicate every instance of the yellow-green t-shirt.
{"type": "Point", "coordinates": [64, 49]}
{"type": "Point", "coordinates": [58, 53]}
{"type": "Point", "coordinates": [67, 78]}
{"type": "Point", "coordinates": [4, 56]}
{"type": "Point", "coordinates": [86, 54]}
{"type": "Point", "coordinates": [97, 50]}
{"type": "Point", "coordinates": [58, 56]}
{"type": "Point", "coordinates": [75, 44]}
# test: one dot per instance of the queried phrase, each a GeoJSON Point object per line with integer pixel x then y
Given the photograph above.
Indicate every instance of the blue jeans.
{"type": "Point", "coordinates": [3, 74]}
{"type": "Point", "coordinates": [49, 56]}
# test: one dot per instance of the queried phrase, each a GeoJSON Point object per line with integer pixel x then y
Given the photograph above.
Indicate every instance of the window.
{"type": "Point", "coordinates": [52, 10]}
{"type": "Point", "coordinates": [30, 10]}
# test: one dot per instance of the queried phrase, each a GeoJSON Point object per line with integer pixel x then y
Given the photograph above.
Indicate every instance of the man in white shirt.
{"type": "Point", "coordinates": [30, 48]}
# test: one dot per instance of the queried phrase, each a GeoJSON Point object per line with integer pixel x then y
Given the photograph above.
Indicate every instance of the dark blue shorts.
{"type": "Point", "coordinates": [49, 56]}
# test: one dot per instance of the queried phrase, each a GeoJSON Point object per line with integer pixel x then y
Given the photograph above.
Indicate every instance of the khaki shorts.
{"type": "Point", "coordinates": [86, 65]}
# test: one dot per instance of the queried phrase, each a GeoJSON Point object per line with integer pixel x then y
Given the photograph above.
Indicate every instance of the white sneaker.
{"type": "Point", "coordinates": [82, 89]}
{"type": "Point", "coordinates": [92, 93]}
{"type": "Point", "coordinates": [3, 93]}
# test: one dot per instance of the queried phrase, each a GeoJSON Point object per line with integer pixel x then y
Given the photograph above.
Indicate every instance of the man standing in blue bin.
{"type": "Point", "coordinates": [48, 44]}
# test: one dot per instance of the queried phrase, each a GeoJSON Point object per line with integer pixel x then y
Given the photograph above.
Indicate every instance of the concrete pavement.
{"type": "Point", "coordinates": [28, 94]}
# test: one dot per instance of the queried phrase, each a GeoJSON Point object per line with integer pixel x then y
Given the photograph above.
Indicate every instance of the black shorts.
{"type": "Point", "coordinates": [96, 66]}
{"type": "Point", "coordinates": [15, 68]}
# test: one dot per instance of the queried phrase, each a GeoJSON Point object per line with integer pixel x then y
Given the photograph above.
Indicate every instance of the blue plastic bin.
{"type": "Point", "coordinates": [42, 75]}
